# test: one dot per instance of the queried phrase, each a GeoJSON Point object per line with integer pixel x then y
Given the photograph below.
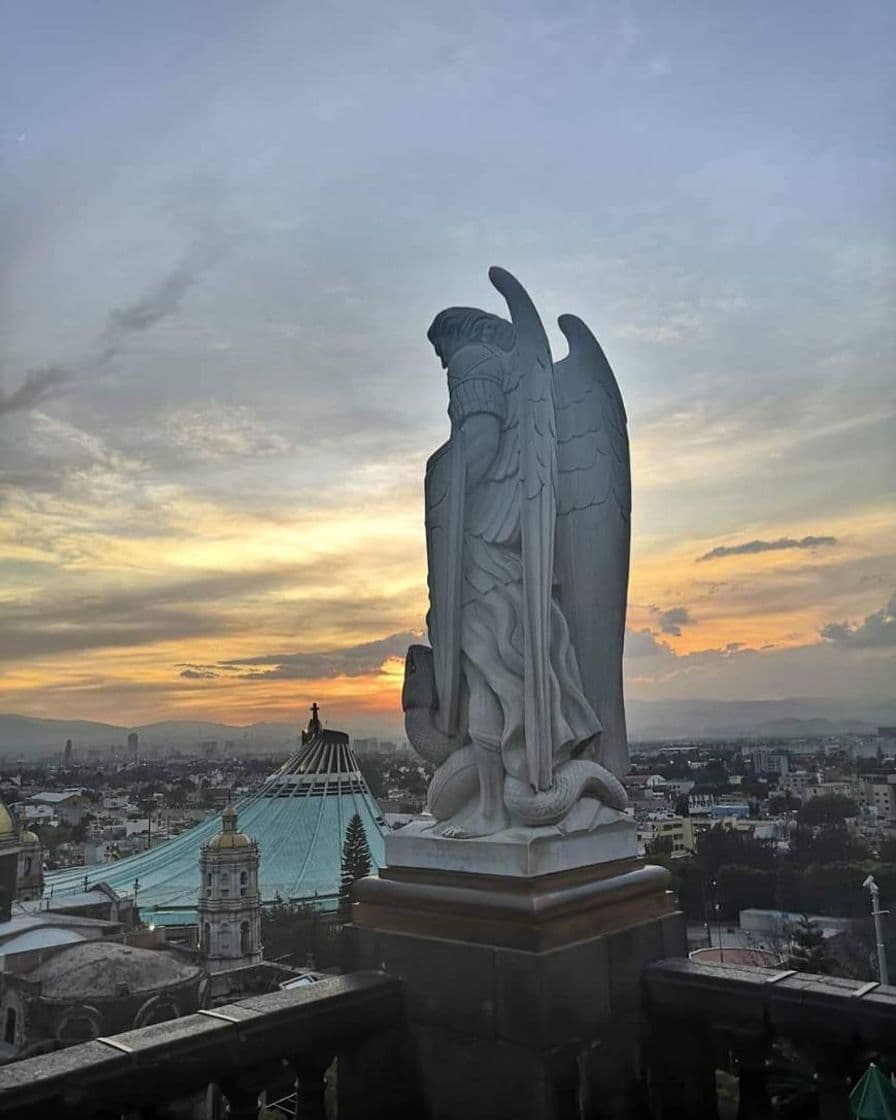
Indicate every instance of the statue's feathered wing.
{"type": "Point", "coordinates": [531, 359]}
{"type": "Point", "coordinates": [593, 529]}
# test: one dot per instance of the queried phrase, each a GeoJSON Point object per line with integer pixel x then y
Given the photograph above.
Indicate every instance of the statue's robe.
{"type": "Point", "coordinates": [491, 585]}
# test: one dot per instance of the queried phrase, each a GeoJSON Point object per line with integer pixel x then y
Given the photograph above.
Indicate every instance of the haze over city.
{"type": "Point", "coordinates": [217, 395]}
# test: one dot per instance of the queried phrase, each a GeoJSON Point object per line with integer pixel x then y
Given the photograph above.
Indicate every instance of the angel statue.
{"type": "Point", "coordinates": [518, 701]}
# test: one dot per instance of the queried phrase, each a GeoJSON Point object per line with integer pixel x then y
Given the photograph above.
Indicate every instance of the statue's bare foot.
{"type": "Point", "coordinates": [477, 825]}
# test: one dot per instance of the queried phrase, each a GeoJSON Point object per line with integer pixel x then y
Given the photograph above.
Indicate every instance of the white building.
{"type": "Point", "coordinates": [69, 806]}
{"type": "Point", "coordinates": [678, 831]}
{"type": "Point", "coordinates": [229, 910]}
{"type": "Point", "coordinates": [678, 787]}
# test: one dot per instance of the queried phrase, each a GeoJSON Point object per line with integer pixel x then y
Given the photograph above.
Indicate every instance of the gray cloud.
{"type": "Point", "coordinates": [643, 643]}
{"type": "Point", "coordinates": [161, 301]}
{"type": "Point", "coordinates": [748, 548]}
{"type": "Point", "coordinates": [672, 620]}
{"type": "Point", "coordinates": [39, 385]}
{"type": "Point", "coordinates": [878, 631]}
{"type": "Point", "coordinates": [346, 661]}
{"type": "Point", "coordinates": [188, 609]}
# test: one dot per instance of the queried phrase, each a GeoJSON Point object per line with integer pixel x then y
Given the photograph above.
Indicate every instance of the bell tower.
{"type": "Point", "coordinates": [229, 907]}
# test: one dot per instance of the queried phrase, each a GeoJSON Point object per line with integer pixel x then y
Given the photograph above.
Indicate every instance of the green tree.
{"type": "Point", "coordinates": [682, 806]}
{"type": "Point", "coordinates": [713, 774]}
{"type": "Point", "coordinates": [356, 861]}
{"type": "Point", "coordinates": [782, 802]}
{"type": "Point", "coordinates": [176, 797]}
{"type": "Point", "coordinates": [808, 952]}
{"type": "Point", "coordinates": [719, 846]}
{"type": "Point", "coordinates": [831, 808]}
{"type": "Point", "coordinates": [659, 846]}
{"type": "Point", "coordinates": [832, 843]}
{"type": "Point", "coordinates": [744, 888]}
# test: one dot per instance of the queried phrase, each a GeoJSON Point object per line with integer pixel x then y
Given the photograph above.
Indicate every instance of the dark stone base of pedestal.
{"type": "Point", "coordinates": [532, 1033]}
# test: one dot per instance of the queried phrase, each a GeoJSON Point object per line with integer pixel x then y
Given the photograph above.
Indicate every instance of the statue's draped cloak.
{"type": "Point", "coordinates": [491, 645]}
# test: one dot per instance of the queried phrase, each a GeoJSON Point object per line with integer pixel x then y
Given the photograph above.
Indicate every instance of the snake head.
{"type": "Point", "coordinates": [419, 690]}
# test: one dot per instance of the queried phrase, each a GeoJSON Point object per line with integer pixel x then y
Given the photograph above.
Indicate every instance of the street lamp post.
{"type": "Point", "coordinates": [876, 911]}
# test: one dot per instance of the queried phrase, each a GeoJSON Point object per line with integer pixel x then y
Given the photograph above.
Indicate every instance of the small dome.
{"type": "Point", "coordinates": [229, 837]}
{"type": "Point", "coordinates": [102, 970]}
{"type": "Point", "coordinates": [29, 837]}
{"type": "Point", "coordinates": [230, 840]}
{"type": "Point", "coordinates": [9, 833]}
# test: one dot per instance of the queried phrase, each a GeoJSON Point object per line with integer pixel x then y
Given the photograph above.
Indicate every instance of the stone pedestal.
{"type": "Point", "coordinates": [522, 990]}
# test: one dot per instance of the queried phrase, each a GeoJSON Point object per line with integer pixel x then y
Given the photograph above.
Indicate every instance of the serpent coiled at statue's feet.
{"type": "Point", "coordinates": [456, 783]}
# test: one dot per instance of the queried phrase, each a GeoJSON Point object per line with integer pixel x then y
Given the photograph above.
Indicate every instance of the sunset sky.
{"type": "Point", "coordinates": [225, 228]}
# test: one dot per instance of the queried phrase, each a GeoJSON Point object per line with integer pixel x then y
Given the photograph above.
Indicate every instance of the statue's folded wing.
{"type": "Point", "coordinates": [594, 527]}
{"type": "Point", "coordinates": [531, 363]}
{"type": "Point", "coordinates": [444, 497]}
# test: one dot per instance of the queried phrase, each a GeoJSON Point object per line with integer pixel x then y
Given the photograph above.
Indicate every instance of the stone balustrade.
{"type": "Point", "coordinates": [791, 1039]}
{"type": "Point", "coordinates": [243, 1048]}
{"type": "Point", "coordinates": [795, 1043]}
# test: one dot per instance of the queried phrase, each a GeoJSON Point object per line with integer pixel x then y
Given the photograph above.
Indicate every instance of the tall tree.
{"type": "Point", "coordinates": [808, 952]}
{"type": "Point", "coordinates": [831, 808]}
{"type": "Point", "coordinates": [356, 861]}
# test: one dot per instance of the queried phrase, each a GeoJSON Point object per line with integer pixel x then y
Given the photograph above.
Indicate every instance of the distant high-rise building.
{"type": "Point", "coordinates": [133, 744]}
{"type": "Point", "coordinates": [768, 760]}
{"type": "Point", "coordinates": [68, 752]}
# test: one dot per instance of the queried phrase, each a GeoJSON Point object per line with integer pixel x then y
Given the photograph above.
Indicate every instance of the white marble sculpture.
{"type": "Point", "coordinates": [519, 699]}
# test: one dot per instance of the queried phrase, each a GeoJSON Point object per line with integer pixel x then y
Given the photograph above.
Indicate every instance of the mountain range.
{"type": "Point", "coordinates": [648, 720]}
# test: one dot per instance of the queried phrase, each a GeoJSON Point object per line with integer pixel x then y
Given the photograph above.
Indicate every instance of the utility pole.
{"type": "Point", "coordinates": [876, 912]}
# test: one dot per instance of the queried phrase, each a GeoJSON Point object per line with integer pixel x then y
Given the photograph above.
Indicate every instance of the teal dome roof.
{"type": "Point", "coordinates": [297, 818]}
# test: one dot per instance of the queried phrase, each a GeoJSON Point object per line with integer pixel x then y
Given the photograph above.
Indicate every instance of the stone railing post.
{"type": "Point", "coordinates": [311, 1085]}
{"type": "Point", "coordinates": [750, 1053]}
{"type": "Point", "coordinates": [681, 1071]}
{"type": "Point", "coordinates": [832, 1081]}
{"type": "Point", "coordinates": [242, 1094]}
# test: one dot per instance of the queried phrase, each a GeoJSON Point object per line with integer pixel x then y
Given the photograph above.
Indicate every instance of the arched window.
{"type": "Point", "coordinates": [244, 938]}
{"type": "Point", "coordinates": [244, 881]}
{"type": "Point", "coordinates": [158, 1009]}
{"type": "Point", "coordinates": [206, 938]}
{"type": "Point", "coordinates": [9, 1034]}
{"type": "Point", "coordinates": [79, 1024]}
{"type": "Point", "coordinates": [224, 883]}
{"type": "Point", "coordinates": [27, 865]}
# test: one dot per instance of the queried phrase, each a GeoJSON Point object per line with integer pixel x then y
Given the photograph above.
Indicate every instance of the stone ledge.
{"type": "Point", "coordinates": [533, 914]}
{"type": "Point", "coordinates": [518, 852]}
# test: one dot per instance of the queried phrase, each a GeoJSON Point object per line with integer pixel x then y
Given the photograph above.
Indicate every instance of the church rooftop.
{"type": "Point", "coordinates": [298, 818]}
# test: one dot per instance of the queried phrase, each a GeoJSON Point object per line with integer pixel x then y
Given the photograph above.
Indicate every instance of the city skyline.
{"type": "Point", "coordinates": [216, 393]}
